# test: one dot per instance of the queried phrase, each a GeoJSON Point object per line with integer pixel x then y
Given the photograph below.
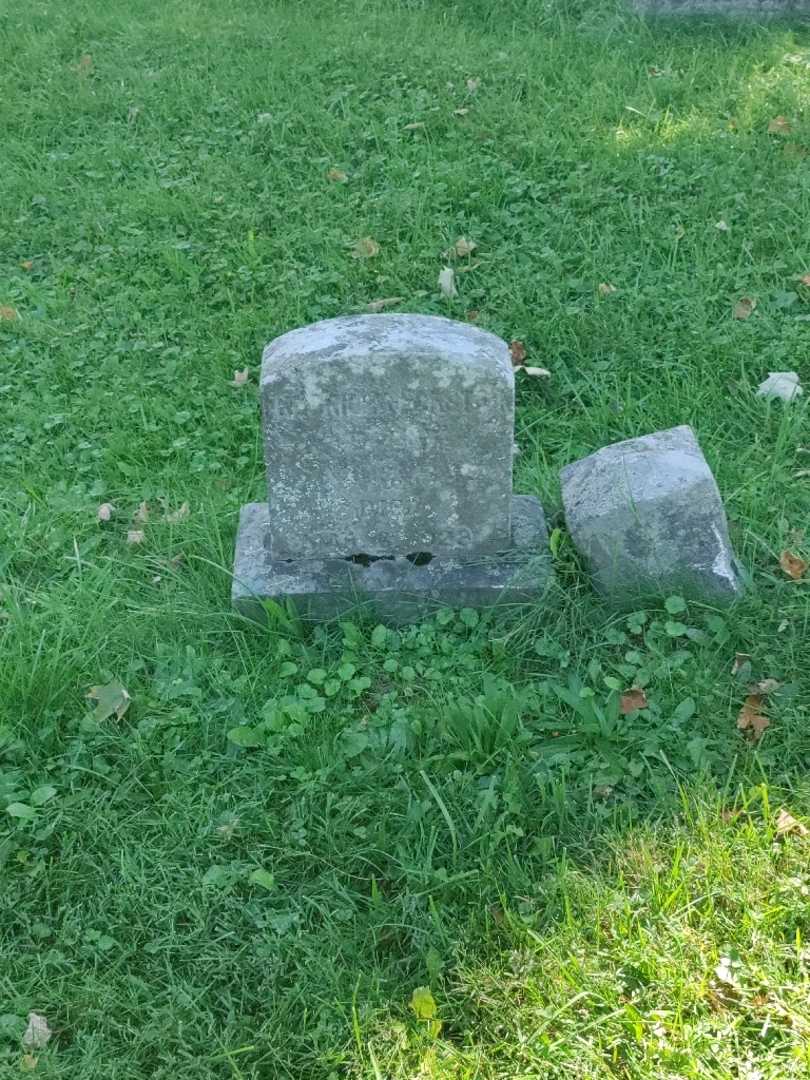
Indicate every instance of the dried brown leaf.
{"type": "Point", "coordinates": [85, 64]}
{"type": "Point", "coordinates": [780, 125]}
{"type": "Point", "coordinates": [27, 264]}
{"type": "Point", "coordinates": [752, 719]}
{"type": "Point", "coordinates": [632, 700]}
{"type": "Point", "coordinates": [497, 913]}
{"type": "Point", "coordinates": [787, 825]}
{"type": "Point", "coordinates": [792, 565]}
{"type": "Point", "coordinates": [111, 700]}
{"type": "Point", "coordinates": [380, 305]}
{"type": "Point", "coordinates": [240, 378]}
{"type": "Point", "coordinates": [105, 511]}
{"type": "Point", "coordinates": [7, 312]}
{"type": "Point", "coordinates": [744, 308]}
{"type": "Point", "coordinates": [178, 515]}
{"type": "Point", "coordinates": [365, 248]}
{"type": "Point", "coordinates": [740, 660]}
{"type": "Point", "coordinates": [805, 280]}
{"type": "Point", "coordinates": [605, 288]}
{"type": "Point", "coordinates": [447, 283]}
{"type": "Point", "coordinates": [517, 351]}
{"type": "Point", "coordinates": [765, 687]}
{"type": "Point", "coordinates": [337, 176]}
{"type": "Point", "coordinates": [472, 315]}
{"type": "Point", "coordinates": [463, 246]}
{"type": "Point", "coordinates": [38, 1033]}
{"type": "Point", "coordinates": [28, 1062]}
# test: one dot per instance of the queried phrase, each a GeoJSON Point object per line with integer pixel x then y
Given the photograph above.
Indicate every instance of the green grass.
{"type": "Point", "coordinates": [460, 805]}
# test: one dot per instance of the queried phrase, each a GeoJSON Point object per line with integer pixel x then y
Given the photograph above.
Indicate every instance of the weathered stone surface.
{"type": "Point", "coordinates": [394, 589]}
{"type": "Point", "coordinates": [647, 516]}
{"type": "Point", "coordinates": [388, 435]}
{"type": "Point", "coordinates": [724, 7]}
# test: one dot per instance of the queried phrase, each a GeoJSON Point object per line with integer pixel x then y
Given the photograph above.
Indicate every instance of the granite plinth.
{"type": "Point", "coordinates": [394, 589]}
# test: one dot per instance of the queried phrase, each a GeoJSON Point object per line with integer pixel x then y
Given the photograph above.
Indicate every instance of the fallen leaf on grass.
{"type": "Point", "coordinates": [751, 718]}
{"type": "Point", "coordinates": [741, 659]}
{"type": "Point", "coordinates": [744, 308]}
{"type": "Point", "coordinates": [38, 1033]}
{"type": "Point", "coordinates": [240, 378]}
{"type": "Point", "coordinates": [337, 176]}
{"type": "Point", "coordinates": [805, 280]}
{"type": "Point", "coordinates": [136, 536]}
{"type": "Point", "coordinates": [780, 125]}
{"type": "Point", "coordinates": [780, 384]}
{"type": "Point", "coordinates": [111, 700]}
{"type": "Point", "coordinates": [28, 1062]}
{"type": "Point", "coordinates": [472, 85]}
{"type": "Point", "coordinates": [462, 247]}
{"type": "Point", "coordinates": [424, 1005]}
{"type": "Point", "coordinates": [365, 248]}
{"type": "Point", "coordinates": [176, 516]}
{"type": "Point", "coordinates": [7, 312]}
{"type": "Point", "coordinates": [605, 288]}
{"type": "Point", "coordinates": [447, 283]}
{"type": "Point", "coordinates": [632, 700]}
{"type": "Point", "coordinates": [793, 566]}
{"type": "Point", "coordinates": [85, 64]}
{"type": "Point", "coordinates": [517, 351]}
{"type": "Point", "coordinates": [105, 511]}
{"type": "Point", "coordinates": [786, 824]}
{"type": "Point", "coordinates": [765, 687]}
{"type": "Point", "coordinates": [380, 305]}
{"type": "Point", "coordinates": [27, 264]}
{"type": "Point", "coordinates": [472, 315]}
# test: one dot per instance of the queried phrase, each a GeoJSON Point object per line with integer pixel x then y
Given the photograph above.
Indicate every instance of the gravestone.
{"type": "Point", "coordinates": [388, 443]}
{"type": "Point", "coordinates": [647, 517]}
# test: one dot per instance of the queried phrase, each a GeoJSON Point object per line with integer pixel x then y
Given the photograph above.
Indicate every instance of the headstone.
{"type": "Point", "coordinates": [724, 7]}
{"type": "Point", "coordinates": [388, 443]}
{"type": "Point", "coordinates": [647, 517]}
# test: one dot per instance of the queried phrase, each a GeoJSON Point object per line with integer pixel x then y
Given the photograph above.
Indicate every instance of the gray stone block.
{"type": "Point", "coordinates": [388, 434]}
{"type": "Point", "coordinates": [394, 589]}
{"type": "Point", "coordinates": [647, 517]}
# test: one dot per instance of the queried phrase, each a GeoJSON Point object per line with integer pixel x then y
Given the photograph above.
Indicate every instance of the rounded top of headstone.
{"type": "Point", "coordinates": [369, 338]}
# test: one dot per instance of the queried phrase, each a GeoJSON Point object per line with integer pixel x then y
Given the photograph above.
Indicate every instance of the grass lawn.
{"type": "Point", "coordinates": [459, 807]}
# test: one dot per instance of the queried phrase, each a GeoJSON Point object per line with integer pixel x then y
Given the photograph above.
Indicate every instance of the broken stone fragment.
{"type": "Point", "coordinates": [647, 517]}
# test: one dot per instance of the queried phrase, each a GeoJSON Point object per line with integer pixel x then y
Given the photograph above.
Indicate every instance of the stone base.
{"type": "Point", "coordinates": [393, 590]}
